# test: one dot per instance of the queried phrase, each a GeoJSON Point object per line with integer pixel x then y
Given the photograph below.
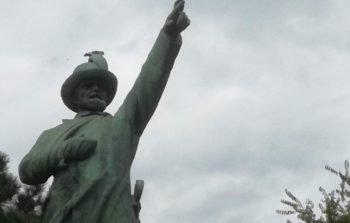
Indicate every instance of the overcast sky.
{"type": "Point", "coordinates": [258, 100]}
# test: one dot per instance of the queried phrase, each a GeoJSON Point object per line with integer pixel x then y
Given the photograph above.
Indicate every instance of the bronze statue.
{"type": "Point", "coordinates": [90, 156]}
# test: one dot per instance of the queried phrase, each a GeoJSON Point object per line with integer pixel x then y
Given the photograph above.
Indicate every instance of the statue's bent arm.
{"type": "Point", "coordinates": [39, 164]}
{"type": "Point", "coordinates": [51, 154]}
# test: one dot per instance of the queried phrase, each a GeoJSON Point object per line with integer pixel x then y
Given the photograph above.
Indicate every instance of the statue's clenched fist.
{"type": "Point", "coordinates": [78, 148]}
{"type": "Point", "coordinates": [177, 21]}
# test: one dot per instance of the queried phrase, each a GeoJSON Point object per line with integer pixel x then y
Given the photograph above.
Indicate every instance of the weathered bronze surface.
{"type": "Point", "coordinates": [90, 156]}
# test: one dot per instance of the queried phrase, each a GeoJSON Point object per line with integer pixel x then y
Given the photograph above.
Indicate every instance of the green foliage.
{"type": "Point", "coordinates": [9, 185]}
{"type": "Point", "coordinates": [335, 205]}
{"type": "Point", "coordinates": [18, 203]}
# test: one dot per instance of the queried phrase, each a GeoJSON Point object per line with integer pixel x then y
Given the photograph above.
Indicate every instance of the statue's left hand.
{"type": "Point", "coordinates": [177, 21]}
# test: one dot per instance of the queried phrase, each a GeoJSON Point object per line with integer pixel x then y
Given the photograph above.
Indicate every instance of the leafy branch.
{"type": "Point", "coordinates": [18, 203]}
{"type": "Point", "coordinates": [335, 205]}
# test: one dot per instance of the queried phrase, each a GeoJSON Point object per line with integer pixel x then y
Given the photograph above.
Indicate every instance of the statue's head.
{"type": "Point", "coordinates": [91, 87]}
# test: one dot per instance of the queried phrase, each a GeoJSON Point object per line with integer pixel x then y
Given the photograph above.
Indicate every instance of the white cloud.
{"type": "Point", "coordinates": [258, 100]}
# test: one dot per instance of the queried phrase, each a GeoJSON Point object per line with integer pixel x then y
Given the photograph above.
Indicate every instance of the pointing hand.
{"type": "Point", "coordinates": [177, 21]}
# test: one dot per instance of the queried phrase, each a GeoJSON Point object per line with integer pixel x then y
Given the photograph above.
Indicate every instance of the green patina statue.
{"type": "Point", "coordinates": [90, 156]}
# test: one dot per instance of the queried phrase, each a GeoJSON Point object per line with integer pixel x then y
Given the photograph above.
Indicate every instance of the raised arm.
{"type": "Point", "coordinates": [143, 98]}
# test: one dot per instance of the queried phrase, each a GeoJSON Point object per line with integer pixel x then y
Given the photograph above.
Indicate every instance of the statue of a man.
{"type": "Point", "coordinates": [90, 156]}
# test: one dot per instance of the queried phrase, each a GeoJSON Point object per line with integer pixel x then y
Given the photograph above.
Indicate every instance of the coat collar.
{"type": "Point", "coordinates": [88, 113]}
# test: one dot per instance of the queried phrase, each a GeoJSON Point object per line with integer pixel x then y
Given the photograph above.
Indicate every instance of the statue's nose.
{"type": "Point", "coordinates": [95, 87]}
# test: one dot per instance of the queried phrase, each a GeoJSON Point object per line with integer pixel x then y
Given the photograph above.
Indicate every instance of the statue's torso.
{"type": "Point", "coordinates": [96, 189]}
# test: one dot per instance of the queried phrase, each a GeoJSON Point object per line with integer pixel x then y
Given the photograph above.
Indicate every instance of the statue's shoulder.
{"type": "Point", "coordinates": [66, 123]}
{"type": "Point", "coordinates": [48, 136]}
{"type": "Point", "coordinates": [51, 131]}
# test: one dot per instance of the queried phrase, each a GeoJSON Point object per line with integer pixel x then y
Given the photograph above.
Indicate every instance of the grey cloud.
{"type": "Point", "coordinates": [257, 101]}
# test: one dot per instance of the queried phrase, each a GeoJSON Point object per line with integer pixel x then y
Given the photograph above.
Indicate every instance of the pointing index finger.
{"type": "Point", "coordinates": [179, 5]}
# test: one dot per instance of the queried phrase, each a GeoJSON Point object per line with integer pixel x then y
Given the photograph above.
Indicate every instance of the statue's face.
{"type": "Point", "coordinates": [91, 95]}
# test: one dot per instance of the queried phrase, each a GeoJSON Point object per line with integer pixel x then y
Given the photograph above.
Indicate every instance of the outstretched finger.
{"type": "Point", "coordinates": [176, 2]}
{"type": "Point", "coordinates": [180, 3]}
{"type": "Point", "coordinates": [178, 7]}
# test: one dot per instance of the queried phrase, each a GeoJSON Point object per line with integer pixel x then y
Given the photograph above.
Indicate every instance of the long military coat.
{"type": "Point", "coordinates": [98, 190]}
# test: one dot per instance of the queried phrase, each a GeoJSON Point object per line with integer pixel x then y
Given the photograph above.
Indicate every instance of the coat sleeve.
{"type": "Point", "coordinates": [41, 162]}
{"type": "Point", "coordinates": [144, 96]}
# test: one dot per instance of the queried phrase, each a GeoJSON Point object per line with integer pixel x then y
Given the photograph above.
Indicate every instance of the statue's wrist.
{"type": "Point", "coordinates": [60, 162]}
